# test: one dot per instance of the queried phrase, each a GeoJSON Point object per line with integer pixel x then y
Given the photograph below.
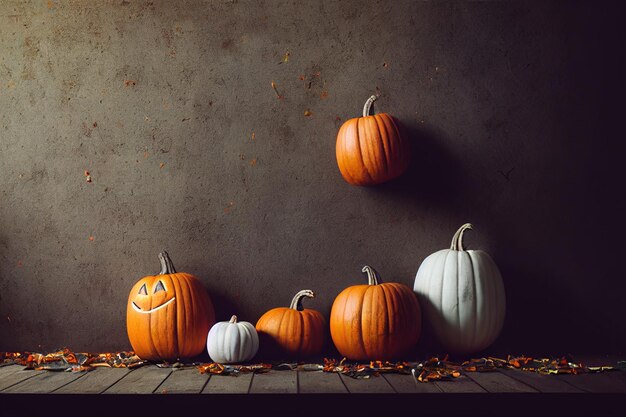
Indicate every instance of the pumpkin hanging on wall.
{"type": "Point", "coordinates": [377, 321]}
{"type": "Point", "coordinates": [371, 149]}
{"type": "Point", "coordinates": [232, 341]}
{"type": "Point", "coordinates": [168, 315]}
{"type": "Point", "coordinates": [295, 331]}
{"type": "Point", "coordinates": [462, 295]}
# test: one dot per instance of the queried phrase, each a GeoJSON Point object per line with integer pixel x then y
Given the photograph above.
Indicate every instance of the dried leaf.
{"type": "Point", "coordinates": [280, 97]}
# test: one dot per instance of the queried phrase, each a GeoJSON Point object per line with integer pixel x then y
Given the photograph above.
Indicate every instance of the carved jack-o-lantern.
{"type": "Point", "coordinates": [168, 315]}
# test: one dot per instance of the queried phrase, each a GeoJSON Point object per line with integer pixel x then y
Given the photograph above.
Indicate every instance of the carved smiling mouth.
{"type": "Point", "coordinates": [137, 309]}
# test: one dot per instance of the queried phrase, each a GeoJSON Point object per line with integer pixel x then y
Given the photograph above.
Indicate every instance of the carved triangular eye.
{"type": "Point", "coordinates": [143, 290]}
{"type": "Point", "coordinates": [159, 287]}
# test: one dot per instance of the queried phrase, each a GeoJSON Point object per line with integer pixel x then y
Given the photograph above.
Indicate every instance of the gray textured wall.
{"type": "Point", "coordinates": [169, 106]}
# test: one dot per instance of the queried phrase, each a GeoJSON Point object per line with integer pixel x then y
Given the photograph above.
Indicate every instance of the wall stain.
{"type": "Point", "coordinates": [30, 54]}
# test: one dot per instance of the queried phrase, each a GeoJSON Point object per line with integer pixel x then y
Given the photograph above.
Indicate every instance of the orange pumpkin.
{"type": "Point", "coordinates": [168, 315]}
{"type": "Point", "coordinates": [375, 321]}
{"type": "Point", "coordinates": [293, 331]}
{"type": "Point", "coordinates": [370, 149]}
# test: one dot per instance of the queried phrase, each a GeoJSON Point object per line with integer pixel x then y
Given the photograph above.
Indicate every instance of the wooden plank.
{"type": "Point", "coordinates": [275, 382]}
{"type": "Point", "coordinates": [95, 382]}
{"type": "Point", "coordinates": [10, 369]}
{"type": "Point", "coordinates": [44, 382]}
{"type": "Point", "coordinates": [407, 384]}
{"type": "Point", "coordinates": [460, 385]}
{"type": "Point", "coordinates": [498, 382]}
{"type": "Point", "coordinates": [14, 374]}
{"type": "Point", "coordinates": [600, 382]}
{"type": "Point", "coordinates": [144, 380]}
{"type": "Point", "coordinates": [374, 384]}
{"type": "Point", "coordinates": [609, 382]}
{"type": "Point", "coordinates": [6, 371]}
{"type": "Point", "coordinates": [228, 384]}
{"type": "Point", "coordinates": [318, 382]}
{"type": "Point", "coordinates": [184, 381]}
{"type": "Point", "coordinates": [542, 383]}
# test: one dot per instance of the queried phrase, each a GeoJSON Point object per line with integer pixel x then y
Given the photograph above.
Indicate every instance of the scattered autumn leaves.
{"type": "Point", "coordinates": [433, 369]}
{"type": "Point", "coordinates": [66, 360]}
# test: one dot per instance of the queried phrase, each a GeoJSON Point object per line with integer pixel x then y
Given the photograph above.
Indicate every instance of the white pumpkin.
{"type": "Point", "coordinates": [232, 341]}
{"type": "Point", "coordinates": [462, 295]}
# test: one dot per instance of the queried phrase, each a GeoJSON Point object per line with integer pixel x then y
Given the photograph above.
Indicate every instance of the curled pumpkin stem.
{"type": "Point", "coordinates": [368, 105]}
{"type": "Point", "coordinates": [296, 303]}
{"type": "Point", "coordinates": [372, 276]}
{"type": "Point", "coordinates": [457, 239]}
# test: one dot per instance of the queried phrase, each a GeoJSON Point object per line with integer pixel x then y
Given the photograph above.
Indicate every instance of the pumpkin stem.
{"type": "Point", "coordinates": [167, 266]}
{"type": "Point", "coordinates": [233, 319]}
{"type": "Point", "coordinates": [296, 303]}
{"type": "Point", "coordinates": [457, 239]}
{"type": "Point", "coordinates": [368, 105]}
{"type": "Point", "coordinates": [372, 276]}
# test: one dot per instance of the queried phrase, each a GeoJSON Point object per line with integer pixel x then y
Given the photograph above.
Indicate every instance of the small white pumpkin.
{"type": "Point", "coordinates": [462, 295]}
{"type": "Point", "coordinates": [232, 341]}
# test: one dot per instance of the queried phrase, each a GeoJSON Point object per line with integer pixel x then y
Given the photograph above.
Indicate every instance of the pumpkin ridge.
{"type": "Point", "coordinates": [350, 138]}
{"type": "Point", "coordinates": [480, 298]}
{"type": "Point", "coordinates": [353, 338]}
{"type": "Point", "coordinates": [238, 344]}
{"type": "Point", "coordinates": [436, 284]}
{"type": "Point", "coordinates": [373, 141]}
{"type": "Point", "coordinates": [495, 283]}
{"type": "Point", "coordinates": [389, 307]}
{"type": "Point", "coordinates": [474, 291]}
{"type": "Point", "coordinates": [395, 146]}
{"type": "Point", "coordinates": [385, 144]}
{"type": "Point", "coordinates": [242, 333]}
{"type": "Point", "coordinates": [389, 316]}
{"type": "Point", "coordinates": [302, 330]}
{"type": "Point", "coordinates": [359, 135]}
{"type": "Point", "coordinates": [278, 337]}
{"type": "Point", "coordinates": [195, 318]}
{"type": "Point", "coordinates": [366, 318]}
{"type": "Point", "coordinates": [444, 285]}
{"type": "Point", "coordinates": [458, 295]}
{"type": "Point", "coordinates": [401, 326]}
{"type": "Point", "coordinates": [180, 280]}
{"type": "Point", "coordinates": [402, 307]}
{"type": "Point", "coordinates": [287, 333]}
{"type": "Point", "coordinates": [353, 160]}
{"type": "Point", "coordinates": [341, 152]}
{"type": "Point", "coordinates": [401, 147]}
{"type": "Point", "coordinates": [445, 262]}
{"type": "Point", "coordinates": [345, 336]}
{"type": "Point", "coordinates": [492, 291]}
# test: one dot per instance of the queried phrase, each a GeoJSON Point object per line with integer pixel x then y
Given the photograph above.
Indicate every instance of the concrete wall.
{"type": "Point", "coordinates": [169, 106]}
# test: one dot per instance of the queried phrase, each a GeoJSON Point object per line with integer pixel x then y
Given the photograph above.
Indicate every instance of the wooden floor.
{"type": "Point", "coordinates": [154, 380]}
